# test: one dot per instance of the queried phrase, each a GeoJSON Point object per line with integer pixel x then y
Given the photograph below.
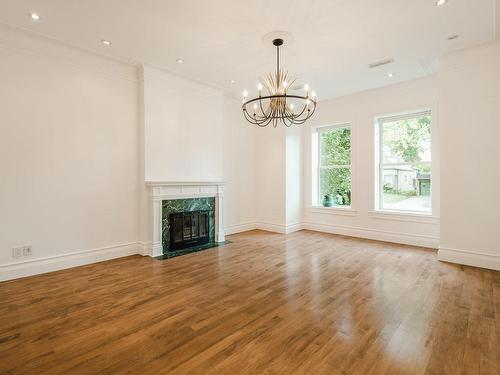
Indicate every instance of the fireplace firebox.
{"type": "Point", "coordinates": [189, 229]}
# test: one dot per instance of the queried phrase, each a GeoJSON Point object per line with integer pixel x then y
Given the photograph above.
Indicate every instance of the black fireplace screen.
{"type": "Point", "coordinates": [188, 229]}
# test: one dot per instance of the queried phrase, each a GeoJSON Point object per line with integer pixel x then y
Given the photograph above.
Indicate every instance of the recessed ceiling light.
{"type": "Point", "coordinates": [452, 37]}
{"type": "Point", "coordinates": [390, 75]}
{"type": "Point", "coordinates": [232, 82]}
{"type": "Point", "coordinates": [106, 42]}
{"type": "Point", "coordinates": [180, 61]}
{"type": "Point", "coordinates": [441, 2]}
{"type": "Point", "coordinates": [35, 16]}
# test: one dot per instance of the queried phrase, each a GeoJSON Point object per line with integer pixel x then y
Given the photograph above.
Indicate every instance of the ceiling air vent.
{"type": "Point", "coordinates": [380, 63]}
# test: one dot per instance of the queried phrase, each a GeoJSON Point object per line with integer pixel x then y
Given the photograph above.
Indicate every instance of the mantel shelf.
{"type": "Point", "coordinates": [185, 183]}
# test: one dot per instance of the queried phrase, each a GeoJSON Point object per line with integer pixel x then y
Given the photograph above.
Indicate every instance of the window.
{"type": "Point", "coordinates": [404, 163]}
{"type": "Point", "coordinates": [333, 172]}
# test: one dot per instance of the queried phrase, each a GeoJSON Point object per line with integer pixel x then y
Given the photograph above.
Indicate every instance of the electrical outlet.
{"type": "Point", "coordinates": [27, 251]}
{"type": "Point", "coordinates": [17, 252]}
{"type": "Point", "coordinates": [22, 251]}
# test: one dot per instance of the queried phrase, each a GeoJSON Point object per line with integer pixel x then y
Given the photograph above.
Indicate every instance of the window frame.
{"type": "Point", "coordinates": [322, 129]}
{"type": "Point", "coordinates": [379, 184]}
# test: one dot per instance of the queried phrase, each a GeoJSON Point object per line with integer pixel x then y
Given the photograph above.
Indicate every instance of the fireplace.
{"type": "Point", "coordinates": [189, 229]}
{"type": "Point", "coordinates": [176, 197]}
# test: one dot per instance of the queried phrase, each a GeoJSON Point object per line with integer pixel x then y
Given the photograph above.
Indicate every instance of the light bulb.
{"type": "Point", "coordinates": [245, 93]}
{"type": "Point", "coordinates": [34, 16]}
{"type": "Point", "coordinates": [285, 84]}
{"type": "Point", "coordinates": [313, 94]}
{"type": "Point", "coordinates": [255, 107]}
{"type": "Point", "coordinates": [291, 106]}
{"type": "Point", "coordinates": [308, 102]}
{"type": "Point", "coordinates": [259, 86]}
{"type": "Point", "coordinates": [306, 87]}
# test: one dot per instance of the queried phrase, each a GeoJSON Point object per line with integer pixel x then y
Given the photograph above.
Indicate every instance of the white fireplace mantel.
{"type": "Point", "coordinates": [164, 190]}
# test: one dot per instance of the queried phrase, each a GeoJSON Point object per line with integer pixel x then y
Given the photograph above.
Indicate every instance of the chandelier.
{"type": "Point", "coordinates": [277, 106]}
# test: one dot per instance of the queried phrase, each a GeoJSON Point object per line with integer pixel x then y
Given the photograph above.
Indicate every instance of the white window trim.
{"type": "Point", "coordinates": [318, 207]}
{"type": "Point", "coordinates": [379, 165]}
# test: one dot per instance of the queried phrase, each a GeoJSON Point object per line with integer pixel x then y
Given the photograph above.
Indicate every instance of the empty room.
{"type": "Point", "coordinates": [267, 187]}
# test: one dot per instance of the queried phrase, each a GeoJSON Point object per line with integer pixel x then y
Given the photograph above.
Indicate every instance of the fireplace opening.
{"type": "Point", "coordinates": [188, 229]}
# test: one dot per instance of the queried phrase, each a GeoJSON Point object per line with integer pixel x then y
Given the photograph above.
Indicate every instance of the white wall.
{"type": "Point", "coordinates": [183, 129]}
{"type": "Point", "coordinates": [271, 178]}
{"type": "Point", "coordinates": [470, 128]}
{"type": "Point", "coordinates": [68, 155]}
{"type": "Point", "coordinates": [240, 169]}
{"type": "Point", "coordinates": [294, 177]}
{"type": "Point", "coordinates": [360, 110]}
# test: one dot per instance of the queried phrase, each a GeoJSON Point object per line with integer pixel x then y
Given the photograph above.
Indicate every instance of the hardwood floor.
{"type": "Point", "coordinates": [305, 303]}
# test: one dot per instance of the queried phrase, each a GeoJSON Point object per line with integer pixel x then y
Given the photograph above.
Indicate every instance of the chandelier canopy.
{"type": "Point", "coordinates": [277, 106]}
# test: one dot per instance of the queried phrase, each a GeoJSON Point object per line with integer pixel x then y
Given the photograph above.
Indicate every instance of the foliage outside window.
{"type": "Point", "coordinates": [405, 163]}
{"type": "Point", "coordinates": [335, 165]}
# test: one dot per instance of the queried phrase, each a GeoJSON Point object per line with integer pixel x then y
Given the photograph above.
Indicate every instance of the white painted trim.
{"type": "Point", "coordinates": [271, 227]}
{"type": "Point", "coordinates": [290, 228]}
{"type": "Point", "coordinates": [146, 248]}
{"type": "Point", "coordinates": [184, 183]}
{"type": "Point", "coordinates": [375, 234]}
{"type": "Point", "coordinates": [332, 210]}
{"type": "Point", "coordinates": [241, 227]}
{"type": "Point", "coordinates": [469, 258]}
{"type": "Point", "coordinates": [264, 225]}
{"type": "Point", "coordinates": [58, 262]}
{"type": "Point", "coordinates": [34, 44]}
{"type": "Point", "coordinates": [422, 218]}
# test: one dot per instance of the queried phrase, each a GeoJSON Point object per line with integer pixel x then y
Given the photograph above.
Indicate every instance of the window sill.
{"type": "Point", "coordinates": [412, 217]}
{"type": "Point", "coordinates": [346, 211]}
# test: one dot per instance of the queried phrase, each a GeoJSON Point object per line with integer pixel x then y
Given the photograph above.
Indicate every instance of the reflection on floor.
{"type": "Point", "coordinates": [304, 303]}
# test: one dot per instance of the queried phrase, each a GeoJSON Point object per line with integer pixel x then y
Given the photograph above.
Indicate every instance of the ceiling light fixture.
{"type": "Point", "coordinates": [35, 16]}
{"type": "Point", "coordinates": [390, 75]}
{"type": "Point", "coordinates": [105, 42]}
{"type": "Point", "coordinates": [232, 82]}
{"type": "Point", "coordinates": [278, 106]}
{"type": "Point", "coordinates": [179, 61]}
{"type": "Point", "coordinates": [441, 2]}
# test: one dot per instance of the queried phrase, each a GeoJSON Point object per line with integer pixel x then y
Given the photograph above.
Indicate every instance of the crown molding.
{"type": "Point", "coordinates": [27, 42]}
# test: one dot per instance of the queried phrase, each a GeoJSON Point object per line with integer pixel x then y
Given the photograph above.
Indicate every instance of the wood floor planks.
{"type": "Point", "coordinates": [304, 303]}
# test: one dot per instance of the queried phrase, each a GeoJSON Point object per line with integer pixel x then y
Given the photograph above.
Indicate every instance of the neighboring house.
{"type": "Point", "coordinates": [423, 184]}
{"type": "Point", "coordinates": [400, 178]}
{"type": "Point", "coordinates": [405, 178]}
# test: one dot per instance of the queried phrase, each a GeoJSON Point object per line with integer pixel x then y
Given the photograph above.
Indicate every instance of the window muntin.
{"type": "Point", "coordinates": [405, 163]}
{"type": "Point", "coordinates": [334, 166]}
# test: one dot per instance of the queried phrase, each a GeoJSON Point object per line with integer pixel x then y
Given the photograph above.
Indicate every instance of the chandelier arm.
{"type": "Point", "coordinates": [301, 112]}
{"type": "Point", "coordinates": [261, 108]}
{"type": "Point", "coordinates": [250, 119]}
{"type": "Point", "coordinates": [279, 96]}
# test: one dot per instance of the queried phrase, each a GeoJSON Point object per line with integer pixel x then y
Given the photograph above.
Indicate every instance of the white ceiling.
{"type": "Point", "coordinates": [220, 40]}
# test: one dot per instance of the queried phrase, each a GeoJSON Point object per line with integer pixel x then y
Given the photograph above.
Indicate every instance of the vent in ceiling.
{"type": "Point", "coordinates": [380, 63]}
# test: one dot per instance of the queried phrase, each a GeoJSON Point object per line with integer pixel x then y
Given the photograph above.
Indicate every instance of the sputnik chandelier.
{"type": "Point", "coordinates": [278, 106]}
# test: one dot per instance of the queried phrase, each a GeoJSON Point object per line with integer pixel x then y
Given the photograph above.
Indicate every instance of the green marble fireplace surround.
{"type": "Point", "coordinates": [172, 197]}
{"type": "Point", "coordinates": [170, 206]}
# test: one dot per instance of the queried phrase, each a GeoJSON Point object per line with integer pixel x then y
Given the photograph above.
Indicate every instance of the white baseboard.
{"type": "Point", "coordinates": [290, 228]}
{"type": "Point", "coordinates": [375, 234]}
{"type": "Point", "coordinates": [58, 262]}
{"type": "Point", "coordinates": [271, 227]}
{"type": "Point", "coordinates": [238, 228]}
{"type": "Point", "coordinates": [469, 258]}
{"type": "Point", "coordinates": [263, 225]}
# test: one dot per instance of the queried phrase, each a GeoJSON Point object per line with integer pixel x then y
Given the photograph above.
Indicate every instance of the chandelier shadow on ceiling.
{"type": "Point", "coordinates": [278, 106]}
